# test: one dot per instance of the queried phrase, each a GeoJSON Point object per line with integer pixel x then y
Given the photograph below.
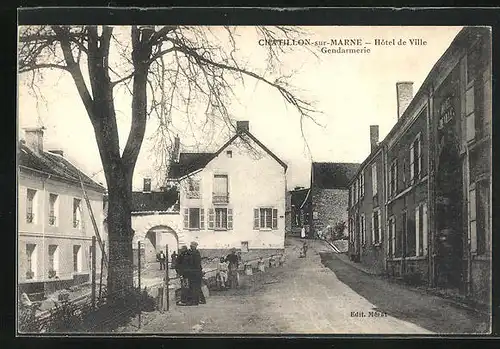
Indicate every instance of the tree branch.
{"type": "Point", "coordinates": [28, 68]}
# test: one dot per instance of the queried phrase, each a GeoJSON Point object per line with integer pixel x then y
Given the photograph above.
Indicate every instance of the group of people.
{"type": "Point", "coordinates": [227, 270]}
{"type": "Point", "coordinates": [187, 265]}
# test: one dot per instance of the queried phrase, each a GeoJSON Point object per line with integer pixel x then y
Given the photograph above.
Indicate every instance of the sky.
{"type": "Point", "coordinates": [352, 92]}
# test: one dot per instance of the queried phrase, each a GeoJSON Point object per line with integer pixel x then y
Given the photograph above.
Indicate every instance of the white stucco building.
{"type": "Point", "coordinates": [234, 197]}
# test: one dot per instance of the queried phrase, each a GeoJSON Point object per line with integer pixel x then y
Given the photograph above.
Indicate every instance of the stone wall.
{"type": "Point", "coordinates": [329, 206]}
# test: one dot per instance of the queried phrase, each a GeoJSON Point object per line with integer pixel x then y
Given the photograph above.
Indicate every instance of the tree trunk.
{"type": "Point", "coordinates": [120, 266]}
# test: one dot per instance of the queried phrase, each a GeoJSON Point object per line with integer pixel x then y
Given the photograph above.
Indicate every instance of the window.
{"type": "Point", "coordinates": [265, 218]}
{"type": "Point", "coordinates": [362, 228]}
{"type": "Point", "coordinates": [393, 178]}
{"type": "Point", "coordinates": [244, 246]}
{"type": "Point", "coordinates": [355, 192]}
{"type": "Point", "coordinates": [30, 205]}
{"type": "Point", "coordinates": [53, 208]}
{"type": "Point", "coordinates": [416, 158]}
{"type": "Point", "coordinates": [77, 258]}
{"type": "Point", "coordinates": [421, 229]}
{"type": "Point", "coordinates": [229, 153]}
{"type": "Point", "coordinates": [411, 237]}
{"type": "Point", "coordinates": [479, 202]}
{"type": "Point", "coordinates": [374, 179]}
{"type": "Point", "coordinates": [470, 122]}
{"type": "Point", "coordinates": [53, 260]}
{"type": "Point", "coordinates": [220, 194]}
{"type": "Point", "coordinates": [194, 218]}
{"type": "Point", "coordinates": [362, 184]}
{"type": "Point", "coordinates": [391, 241]}
{"type": "Point", "coordinates": [400, 231]}
{"type": "Point", "coordinates": [193, 190]}
{"type": "Point", "coordinates": [77, 213]}
{"type": "Point", "coordinates": [220, 218]}
{"type": "Point", "coordinates": [376, 231]}
{"type": "Point", "coordinates": [31, 261]}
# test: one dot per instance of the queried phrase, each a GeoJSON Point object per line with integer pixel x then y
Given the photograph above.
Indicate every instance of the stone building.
{"type": "Point", "coordinates": [437, 176]}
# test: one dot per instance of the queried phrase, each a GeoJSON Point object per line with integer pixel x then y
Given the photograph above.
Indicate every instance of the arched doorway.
{"type": "Point", "coordinates": [156, 240]}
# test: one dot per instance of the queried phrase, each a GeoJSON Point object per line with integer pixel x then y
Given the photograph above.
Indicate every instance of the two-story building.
{"type": "Point", "coordinates": [366, 208]}
{"type": "Point", "coordinates": [234, 197]}
{"type": "Point", "coordinates": [437, 175]}
{"type": "Point", "coordinates": [54, 224]}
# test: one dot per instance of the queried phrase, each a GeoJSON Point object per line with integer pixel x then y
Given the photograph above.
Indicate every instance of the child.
{"type": "Point", "coordinates": [261, 265]}
{"type": "Point", "coordinates": [222, 270]}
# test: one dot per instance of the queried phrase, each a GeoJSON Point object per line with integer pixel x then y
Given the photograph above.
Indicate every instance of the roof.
{"type": "Point", "coordinates": [55, 165]}
{"type": "Point", "coordinates": [154, 201]}
{"type": "Point", "coordinates": [298, 196]}
{"type": "Point", "coordinates": [188, 163]}
{"type": "Point", "coordinates": [332, 175]}
{"type": "Point", "coordinates": [191, 162]}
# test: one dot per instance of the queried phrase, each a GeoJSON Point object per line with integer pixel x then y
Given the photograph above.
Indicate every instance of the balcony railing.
{"type": "Point", "coordinates": [30, 217]}
{"type": "Point", "coordinates": [193, 195]}
{"type": "Point", "coordinates": [220, 198]}
{"type": "Point", "coordinates": [52, 220]}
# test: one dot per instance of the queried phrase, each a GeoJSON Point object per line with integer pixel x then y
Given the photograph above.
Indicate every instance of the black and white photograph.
{"type": "Point", "coordinates": [236, 180]}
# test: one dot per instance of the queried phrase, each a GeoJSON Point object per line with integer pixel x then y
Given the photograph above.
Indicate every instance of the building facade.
{"type": "Point", "coordinates": [437, 175]}
{"type": "Point", "coordinates": [234, 197]}
{"type": "Point", "coordinates": [55, 229]}
{"type": "Point", "coordinates": [366, 209]}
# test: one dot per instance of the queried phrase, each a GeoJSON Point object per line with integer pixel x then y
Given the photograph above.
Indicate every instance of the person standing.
{"type": "Point", "coordinates": [180, 269]}
{"type": "Point", "coordinates": [161, 259]}
{"type": "Point", "coordinates": [303, 232]}
{"type": "Point", "coordinates": [233, 261]}
{"type": "Point", "coordinates": [195, 275]}
{"type": "Point", "coordinates": [173, 261]}
{"type": "Point", "coordinates": [222, 270]}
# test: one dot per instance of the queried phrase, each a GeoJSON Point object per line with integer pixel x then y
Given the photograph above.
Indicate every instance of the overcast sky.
{"type": "Point", "coordinates": [353, 91]}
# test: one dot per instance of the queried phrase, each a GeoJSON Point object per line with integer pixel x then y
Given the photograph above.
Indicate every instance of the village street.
{"type": "Point", "coordinates": [304, 297]}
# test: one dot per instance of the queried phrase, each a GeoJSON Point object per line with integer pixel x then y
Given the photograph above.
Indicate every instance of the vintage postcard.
{"type": "Point", "coordinates": [178, 179]}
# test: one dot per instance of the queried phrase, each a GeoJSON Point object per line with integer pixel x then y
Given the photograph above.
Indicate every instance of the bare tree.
{"type": "Point", "coordinates": [166, 69]}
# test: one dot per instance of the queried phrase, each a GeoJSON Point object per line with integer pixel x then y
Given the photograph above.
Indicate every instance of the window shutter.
{"type": "Point", "coordinates": [202, 219]}
{"type": "Point", "coordinates": [186, 218]}
{"type": "Point", "coordinates": [424, 229]}
{"type": "Point", "coordinates": [420, 156]}
{"type": "Point", "coordinates": [210, 218]}
{"type": "Point", "coordinates": [395, 177]}
{"type": "Point", "coordinates": [472, 220]}
{"type": "Point", "coordinates": [373, 228]}
{"type": "Point", "coordinates": [229, 218]}
{"type": "Point", "coordinates": [275, 218]}
{"type": "Point", "coordinates": [417, 230]}
{"type": "Point", "coordinates": [256, 218]}
{"type": "Point", "coordinates": [412, 160]}
{"type": "Point", "coordinates": [379, 237]}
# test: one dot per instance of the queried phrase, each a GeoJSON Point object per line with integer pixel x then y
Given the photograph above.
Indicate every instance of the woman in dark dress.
{"type": "Point", "coordinates": [195, 275]}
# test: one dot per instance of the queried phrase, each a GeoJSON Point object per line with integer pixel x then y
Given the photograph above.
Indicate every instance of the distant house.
{"type": "Point", "coordinates": [299, 210]}
{"type": "Point", "coordinates": [155, 221]}
{"type": "Point", "coordinates": [329, 194]}
{"type": "Point", "coordinates": [234, 197]}
{"type": "Point", "coordinates": [54, 224]}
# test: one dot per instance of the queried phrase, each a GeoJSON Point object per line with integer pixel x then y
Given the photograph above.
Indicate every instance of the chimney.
{"type": "Point", "coordinates": [404, 92]}
{"type": "Point", "coordinates": [373, 137]}
{"type": "Point", "coordinates": [34, 138]}
{"type": "Point", "coordinates": [147, 185]}
{"type": "Point", "coordinates": [242, 126]}
{"type": "Point", "coordinates": [177, 147]}
{"type": "Point", "coordinates": [57, 152]}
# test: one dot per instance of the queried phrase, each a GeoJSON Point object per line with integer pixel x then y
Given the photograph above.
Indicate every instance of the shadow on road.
{"type": "Point", "coordinates": [430, 312]}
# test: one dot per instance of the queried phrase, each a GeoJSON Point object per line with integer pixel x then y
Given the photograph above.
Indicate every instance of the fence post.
{"type": "Point", "coordinates": [93, 249]}
{"type": "Point", "coordinates": [167, 279]}
{"type": "Point", "coordinates": [139, 263]}
{"type": "Point", "coordinates": [102, 269]}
